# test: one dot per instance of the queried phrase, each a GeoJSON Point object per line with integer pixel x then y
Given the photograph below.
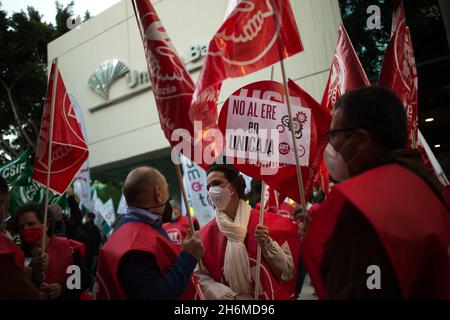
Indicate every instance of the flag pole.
{"type": "Point", "coordinates": [291, 124]}
{"type": "Point", "coordinates": [258, 253]}
{"type": "Point", "coordinates": [261, 221]}
{"type": "Point", "coordinates": [183, 191]}
{"type": "Point", "coordinates": [186, 204]}
{"type": "Point", "coordinates": [277, 200]}
{"type": "Point", "coordinates": [49, 159]}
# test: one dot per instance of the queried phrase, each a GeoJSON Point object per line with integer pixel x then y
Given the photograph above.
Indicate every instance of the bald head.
{"type": "Point", "coordinates": [144, 187]}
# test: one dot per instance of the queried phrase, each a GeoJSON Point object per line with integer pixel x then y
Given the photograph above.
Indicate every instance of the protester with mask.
{"type": "Point", "coordinates": [231, 240]}
{"type": "Point", "coordinates": [178, 228]}
{"type": "Point", "coordinates": [139, 261]}
{"type": "Point", "coordinates": [14, 283]}
{"type": "Point", "coordinates": [384, 230]}
{"type": "Point", "coordinates": [62, 252]}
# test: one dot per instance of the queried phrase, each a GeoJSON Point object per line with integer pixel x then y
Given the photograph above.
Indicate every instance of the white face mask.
{"type": "Point", "coordinates": [220, 197]}
{"type": "Point", "coordinates": [336, 165]}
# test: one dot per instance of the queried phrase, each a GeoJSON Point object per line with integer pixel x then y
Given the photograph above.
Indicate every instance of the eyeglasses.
{"type": "Point", "coordinates": [332, 133]}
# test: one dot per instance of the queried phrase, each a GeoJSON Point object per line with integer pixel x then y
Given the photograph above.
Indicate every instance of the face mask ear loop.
{"type": "Point", "coordinates": [227, 188]}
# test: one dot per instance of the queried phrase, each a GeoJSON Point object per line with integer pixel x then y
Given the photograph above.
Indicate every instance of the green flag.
{"type": "Point", "coordinates": [18, 171]}
{"type": "Point", "coordinates": [17, 174]}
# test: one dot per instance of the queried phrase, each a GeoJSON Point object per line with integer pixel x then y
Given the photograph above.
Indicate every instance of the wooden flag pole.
{"type": "Point", "coordinates": [261, 221]}
{"type": "Point", "coordinates": [183, 191]}
{"type": "Point", "coordinates": [186, 204]}
{"type": "Point", "coordinates": [49, 159]}
{"type": "Point", "coordinates": [291, 123]}
{"type": "Point", "coordinates": [258, 253]}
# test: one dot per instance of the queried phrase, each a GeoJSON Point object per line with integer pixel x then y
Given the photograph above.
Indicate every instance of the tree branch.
{"type": "Point", "coordinates": [7, 148]}
{"type": "Point", "coordinates": [16, 115]}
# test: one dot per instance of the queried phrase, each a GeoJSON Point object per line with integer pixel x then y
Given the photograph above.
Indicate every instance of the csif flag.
{"type": "Point", "coordinates": [68, 148]}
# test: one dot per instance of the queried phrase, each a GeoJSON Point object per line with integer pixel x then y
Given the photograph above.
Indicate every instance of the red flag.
{"type": "Point", "coordinates": [346, 71]}
{"type": "Point", "coordinates": [399, 72]}
{"type": "Point", "coordinates": [171, 83]}
{"type": "Point", "coordinates": [69, 149]}
{"type": "Point", "coordinates": [250, 39]}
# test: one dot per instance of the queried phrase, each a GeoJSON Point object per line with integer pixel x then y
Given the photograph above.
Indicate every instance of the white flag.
{"type": "Point", "coordinates": [82, 181]}
{"type": "Point", "coordinates": [248, 183]}
{"type": "Point", "coordinates": [105, 210]}
{"type": "Point", "coordinates": [96, 207]}
{"type": "Point", "coordinates": [122, 209]}
{"type": "Point", "coordinates": [195, 182]}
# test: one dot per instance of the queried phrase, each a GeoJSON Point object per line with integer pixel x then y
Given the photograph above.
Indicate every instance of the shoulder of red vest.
{"type": "Point", "coordinates": [7, 246]}
{"type": "Point", "coordinates": [142, 230]}
{"type": "Point", "coordinates": [273, 221]}
{"type": "Point", "coordinates": [210, 225]}
{"type": "Point", "coordinates": [76, 245]}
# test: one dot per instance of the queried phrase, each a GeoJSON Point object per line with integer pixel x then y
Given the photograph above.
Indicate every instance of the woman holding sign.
{"type": "Point", "coordinates": [229, 263]}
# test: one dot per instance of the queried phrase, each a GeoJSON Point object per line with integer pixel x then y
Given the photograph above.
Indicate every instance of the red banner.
{"type": "Point", "coordinates": [69, 148]}
{"type": "Point", "coordinates": [256, 108]}
{"type": "Point", "coordinates": [399, 72]}
{"type": "Point", "coordinates": [346, 71]}
{"type": "Point", "coordinates": [256, 34]}
{"type": "Point", "coordinates": [171, 83]}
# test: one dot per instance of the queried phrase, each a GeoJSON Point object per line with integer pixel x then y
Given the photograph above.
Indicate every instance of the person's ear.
{"type": "Point", "coordinates": [232, 188]}
{"type": "Point", "coordinates": [364, 139]}
{"type": "Point", "coordinates": [158, 194]}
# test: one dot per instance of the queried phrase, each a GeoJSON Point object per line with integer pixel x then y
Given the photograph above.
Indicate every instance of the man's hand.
{"type": "Point", "coordinates": [40, 261]}
{"type": "Point", "coordinates": [193, 244]}
{"type": "Point", "coordinates": [262, 235]}
{"type": "Point", "coordinates": [303, 225]}
{"type": "Point", "coordinates": [52, 291]}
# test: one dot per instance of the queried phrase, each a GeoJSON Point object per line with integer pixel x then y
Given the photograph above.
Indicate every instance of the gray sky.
{"type": "Point", "coordinates": [48, 10]}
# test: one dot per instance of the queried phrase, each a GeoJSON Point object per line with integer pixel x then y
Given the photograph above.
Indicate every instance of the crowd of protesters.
{"type": "Point", "coordinates": [383, 208]}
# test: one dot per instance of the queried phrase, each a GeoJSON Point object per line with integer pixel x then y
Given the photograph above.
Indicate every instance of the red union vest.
{"type": "Point", "coordinates": [280, 230]}
{"type": "Point", "coordinates": [177, 230]}
{"type": "Point", "coordinates": [60, 254]}
{"type": "Point", "coordinates": [411, 222]}
{"type": "Point", "coordinates": [133, 236]}
{"type": "Point", "coordinates": [9, 250]}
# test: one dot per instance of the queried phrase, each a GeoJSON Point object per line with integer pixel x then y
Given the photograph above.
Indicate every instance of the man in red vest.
{"type": "Point", "coordinates": [384, 230]}
{"type": "Point", "coordinates": [62, 252]}
{"type": "Point", "coordinates": [229, 263]}
{"type": "Point", "coordinates": [14, 283]}
{"type": "Point", "coordinates": [139, 261]}
{"type": "Point", "coordinates": [178, 228]}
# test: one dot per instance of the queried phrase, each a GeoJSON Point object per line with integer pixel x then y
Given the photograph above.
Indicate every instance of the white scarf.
{"type": "Point", "coordinates": [236, 263]}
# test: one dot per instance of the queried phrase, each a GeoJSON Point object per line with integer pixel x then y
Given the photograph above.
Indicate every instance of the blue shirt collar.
{"type": "Point", "coordinates": [151, 217]}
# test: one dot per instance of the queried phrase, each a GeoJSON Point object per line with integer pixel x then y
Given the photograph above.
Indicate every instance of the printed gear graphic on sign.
{"type": "Point", "coordinates": [285, 121]}
{"type": "Point", "coordinates": [297, 125]}
{"type": "Point", "coordinates": [299, 132]}
{"type": "Point", "coordinates": [298, 121]}
{"type": "Point", "coordinates": [301, 117]}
